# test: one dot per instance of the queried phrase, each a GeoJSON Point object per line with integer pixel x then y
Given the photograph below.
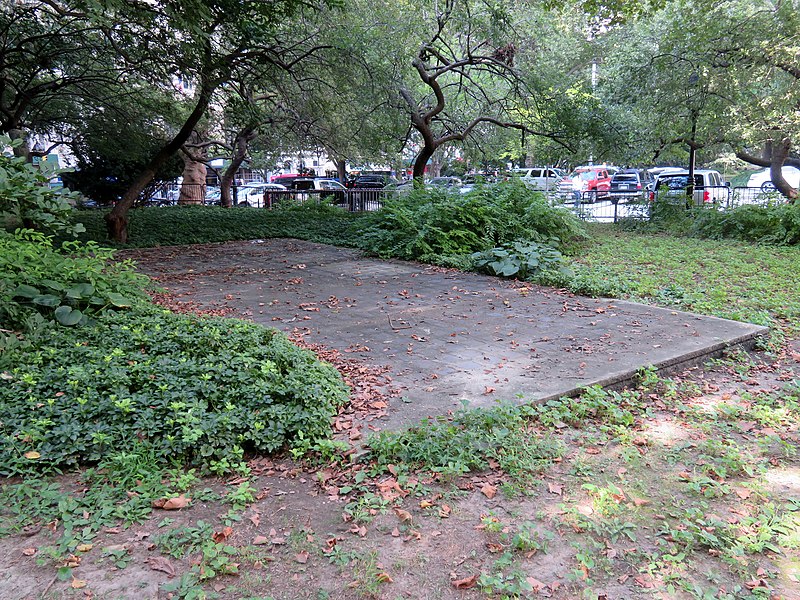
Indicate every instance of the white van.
{"type": "Point", "coordinates": [544, 179]}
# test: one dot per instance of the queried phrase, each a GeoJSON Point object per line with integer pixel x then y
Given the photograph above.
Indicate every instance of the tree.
{"type": "Point", "coordinates": [54, 60]}
{"type": "Point", "coordinates": [205, 44]}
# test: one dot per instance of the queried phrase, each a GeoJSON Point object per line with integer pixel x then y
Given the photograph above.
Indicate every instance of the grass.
{"type": "Point", "coordinates": [734, 280]}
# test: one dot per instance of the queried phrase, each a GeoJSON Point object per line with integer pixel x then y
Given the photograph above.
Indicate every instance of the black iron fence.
{"type": "Point", "coordinates": [257, 195]}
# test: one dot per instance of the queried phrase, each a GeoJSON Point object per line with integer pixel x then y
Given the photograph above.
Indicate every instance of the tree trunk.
{"type": "Point", "coordinates": [780, 152]}
{"type": "Point", "coordinates": [24, 149]}
{"type": "Point", "coordinates": [240, 145]}
{"type": "Point", "coordinates": [341, 170]}
{"type": "Point", "coordinates": [193, 187]}
{"type": "Point", "coordinates": [421, 162]}
{"type": "Point", "coordinates": [117, 219]}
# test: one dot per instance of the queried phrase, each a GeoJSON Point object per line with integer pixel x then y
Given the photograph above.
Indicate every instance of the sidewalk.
{"type": "Point", "coordinates": [447, 336]}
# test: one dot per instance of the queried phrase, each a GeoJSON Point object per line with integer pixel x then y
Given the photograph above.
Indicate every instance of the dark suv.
{"type": "Point", "coordinates": [627, 184]}
{"type": "Point", "coordinates": [370, 181]}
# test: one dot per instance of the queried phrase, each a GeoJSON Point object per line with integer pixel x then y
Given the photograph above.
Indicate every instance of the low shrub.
{"type": "Point", "coordinates": [435, 225]}
{"type": "Point", "coordinates": [194, 390]}
{"type": "Point", "coordinates": [26, 199]}
{"type": "Point", "coordinates": [180, 225]}
{"type": "Point", "coordinates": [521, 259]}
{"type": "Point", "coordinates": [72, 283]}
{"type": "Point", "coordinates": [777, 224]}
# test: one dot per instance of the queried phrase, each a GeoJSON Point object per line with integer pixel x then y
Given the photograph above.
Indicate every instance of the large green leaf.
{"type": "Point", "coordinates": [26, 291]}
{"type": "Point", "coordinates": [68, 316]}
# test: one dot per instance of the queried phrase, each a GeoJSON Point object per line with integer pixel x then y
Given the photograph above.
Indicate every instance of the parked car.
{"type": "Point", "coordinates": [399, 187]}
{"type": "Point", "coordinates": [256, 194]}
{"type": "Point", "coordinates": [628, 184]}
{"type": "Point", "coordinates": [371, 181]}
{"type": "Point", "coordinates": [540, 178]}
{"type": "Point", "coordinates": [593, 179]}
{"type": "Point", "coordinates": [763, 180]}
{"type": "Point", "coordinates": [326, 189]}
{"type": "Point", "coordinates": [448, 183]}
{"type": "Point", "coordinates": [471, 181]}
{"type": "Point", "coordinates": [709, 187]}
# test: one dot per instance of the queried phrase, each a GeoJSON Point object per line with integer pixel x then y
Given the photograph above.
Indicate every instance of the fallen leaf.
{"type": "Point", "coordinates": [83, 547]}
{"type": "Point", "coordinates": [466, 583]}
{"type": "Point", "coordinates": [395, 532]}
{"type": "Point", "coordinates": [743, 493]}
{"type": "Point", "coordinates": [384, 578]}
{"type": "Point", "coordinates": [494, 548]}
{"type": "Point", "coordinates": [426, 504]}
{"type": "Point", "coordinates": [488, 390]}
{"type": "Point", "coordinates": [445, 511]}
{"type": "Point", "coordinates": [260, 540]}
{"type": "Point", "coordinates": [160, 563]}
{"type": "Point", "coordinates": [175, 503]}
{"type": "Point", "coordinates": [255, 519]}
{"type": "Point", "coordinates": [403, 515]}
{"type": "Point", "coordinates": [29, 551]}
{"type": "Point", "coordinates": [639, 501]}
{"type": "Point", "coordinates": [78, 584]}
{"type": "Point", "coordinates": [554, 488]}
{"type": "Point", "coordinates": [221, 536]}
{"type": "Point", "coordinates": [32, 455]}
{"type": "Point", "coordinates": [537, 585]}
{"type": "Point", "coordinates": [301, 557]}
{"type": "Point", "coordinates": [488, 490]}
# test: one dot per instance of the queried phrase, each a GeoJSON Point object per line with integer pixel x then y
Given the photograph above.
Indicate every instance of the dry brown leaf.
{"type": "Point", "coordinates": [445, 511]}
{"type": "Point", "coordinates": [161, 563]}
{"type": "Point", "coordinates": [84, 547]}
{"type": "Point", "coordinates": [494, 548]}
{"type": "Point", "coordinates": [426, 504]}
{"type": "Point", "coordinates": [29, 551]}
{"type": "Point", "coordinates": [403, 515]}
{"type": "Point", "coordinates": [395, 532]}
{"type": "Point", "coordinates": [301, 557]}
{"type": "Point", "coordinates": [743, 493]}
{"type": "Point", "coordinates": [555, 488]}
{"type": "Point", "coordinates": [639, 501]}
{"type": "Point", "coordinates": [537, 585]}
{"type": "Point", "coordinates": [466, 583]}
{"type": "Point", "coordinates": [255, 519]}
{"type": "Point", "coordinates": [32, 455]}
{"type": "Point", "coordinates": [221, 536]}
{"type": "Point", "coordinates": [175, 503]}
{"type": "Point", "coordinates": [488, 490]}
{"type": "Point", "coordinates": [260, 540]}
{"type": "Point", "coordinates": [78, 584]}
{"type": "Point", "coordinates": [384, 578]}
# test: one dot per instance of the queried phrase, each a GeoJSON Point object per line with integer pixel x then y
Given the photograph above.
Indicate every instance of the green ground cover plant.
{"type": "Point", "coordinates": [198, 391]}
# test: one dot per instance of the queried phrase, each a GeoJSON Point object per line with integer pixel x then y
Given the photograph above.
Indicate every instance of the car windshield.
{"type": "Point", "coordinates": [625, 177]}
{"type": "Point", "coordinates": [679, 182]}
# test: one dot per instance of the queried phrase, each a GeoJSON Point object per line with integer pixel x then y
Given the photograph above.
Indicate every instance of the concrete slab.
{"type": "Point", "coordinates": [448, 336]}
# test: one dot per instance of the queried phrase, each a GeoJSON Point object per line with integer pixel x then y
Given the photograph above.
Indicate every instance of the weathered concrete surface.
{"type": "Point", "coordinates": [448, 336]}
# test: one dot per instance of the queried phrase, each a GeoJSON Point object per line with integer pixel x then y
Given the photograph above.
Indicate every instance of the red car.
{"type": "Point", "coordinates": [588, 183]}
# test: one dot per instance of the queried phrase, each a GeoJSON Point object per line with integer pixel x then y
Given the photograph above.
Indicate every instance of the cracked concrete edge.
{"type": "Point", "coordinates": [623, 378]}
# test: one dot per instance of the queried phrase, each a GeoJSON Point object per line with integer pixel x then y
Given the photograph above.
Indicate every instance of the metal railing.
{"type": "Point", "coordinates": [256, 196]}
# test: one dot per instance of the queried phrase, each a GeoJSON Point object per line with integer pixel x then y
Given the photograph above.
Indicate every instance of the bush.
{"type": "Point", "coordinates": [435, 226]}
{"type": "Point", "coordinates": [71, 284]}
{"type": "Point", "coordinates": [775, 224]}
{"type": "Point", "coordinates": [26, 199]}
{"type": "Point", "coordinates": [180, 225]}
{"type": "Point", "coordinates": [195, 391]}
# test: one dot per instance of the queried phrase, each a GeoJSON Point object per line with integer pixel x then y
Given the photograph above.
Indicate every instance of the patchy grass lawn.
{"type": "Point", "coordinates": [685, 487]}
